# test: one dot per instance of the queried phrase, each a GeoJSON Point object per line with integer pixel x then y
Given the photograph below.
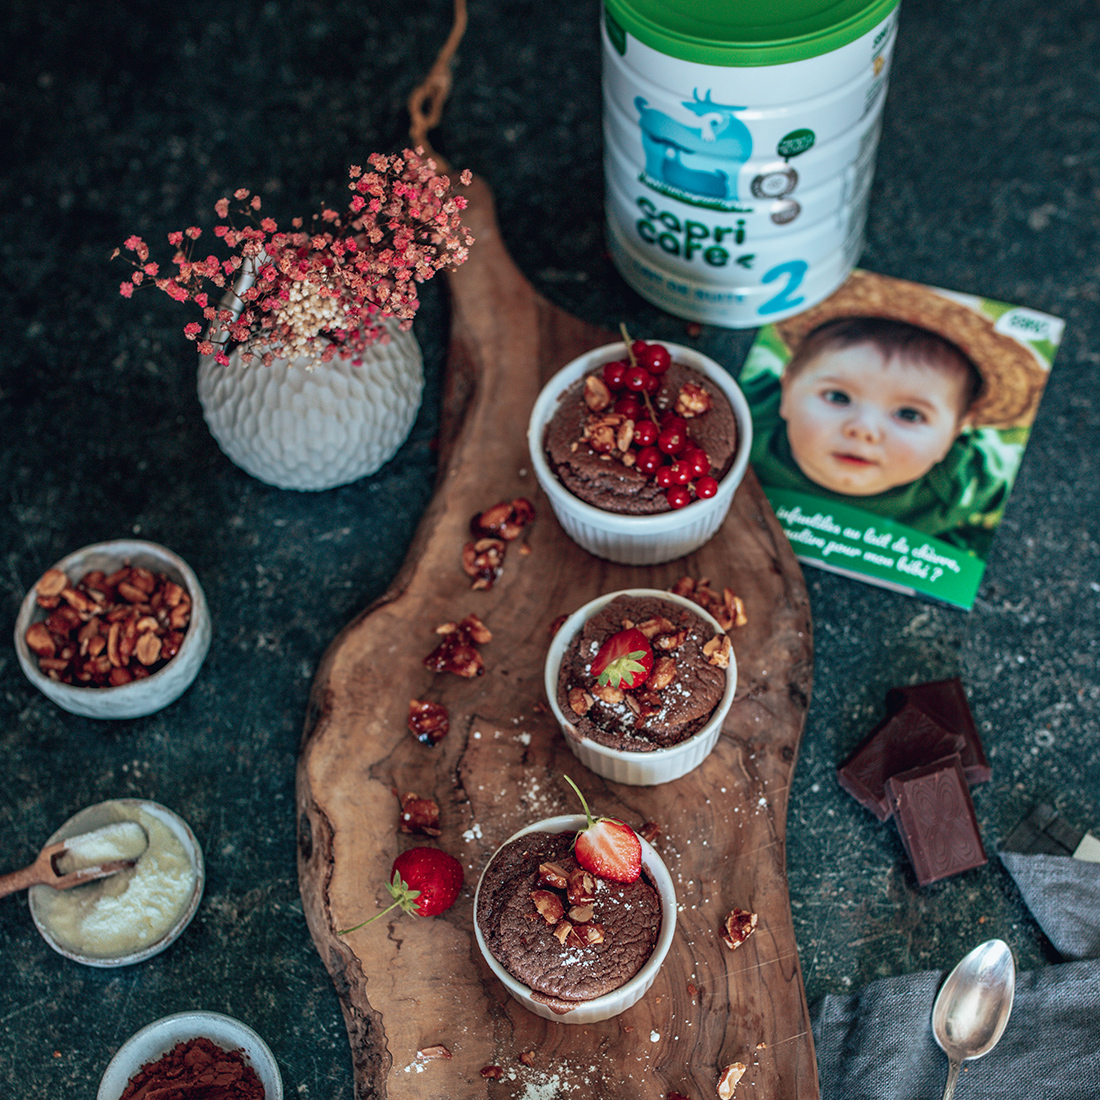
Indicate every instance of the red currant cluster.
{"type": "Point", "coordinates": [662, 446]}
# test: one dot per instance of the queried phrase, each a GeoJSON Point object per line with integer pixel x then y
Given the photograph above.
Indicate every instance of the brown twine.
{"type": "Point", "coordinates": [426, 101]}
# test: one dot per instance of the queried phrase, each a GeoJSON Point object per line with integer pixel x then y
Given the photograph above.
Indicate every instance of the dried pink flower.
{"type": "Point", "coordinates": [325, 292]}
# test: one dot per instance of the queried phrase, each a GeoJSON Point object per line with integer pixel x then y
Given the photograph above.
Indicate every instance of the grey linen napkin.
{"type": "Point", "coordinates": [877, 1044]}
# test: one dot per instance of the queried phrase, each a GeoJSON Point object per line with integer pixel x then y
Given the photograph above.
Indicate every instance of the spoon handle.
{"type": "Point", "coordinates": [952, 1079]}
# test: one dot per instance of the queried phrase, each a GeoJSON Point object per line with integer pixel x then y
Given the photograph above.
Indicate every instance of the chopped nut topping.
{"type": "Point", "coordinates": [670, 640]}
{"type": "Point", "coordinates": [492, 1073]}
{"type": "Point", "coordinates": [51, 583]}
{"type": "Point", "coordinates": [608, 693]}
{"type": "Point", "coordinates": [728, 608]}
{"type": "Point", "coordinates": [664, 672]}
{"type": "Point", "coordinates": [693, 400]}
{"type": "Point", "coordinates": [527, 1058]}
{"type": "Point", "coordinates": [588, 934]}
{"type": "Point", "coordinates": [580, 702]}
{"type": "Point", "coordinates": [657, 625]}
{"type": "Point", "coordinates": [718, 651]}
{"type": "Point", "coordinates": [550, 874]}
{"type": "Point", "coordinates": [596, 394]}
{"type": "Point", "coordinates": [562, 931]}
{"type": "Point", "coordinates": [581, 888]}
{"type": "Point", "coordinates": [739, 925]}
{"type": "Point", "coordinates": [548, 905]}
{"type": "Point", "coordinates": [580, 914]}
{"type": "Point", "coordinates": [727, 1082]}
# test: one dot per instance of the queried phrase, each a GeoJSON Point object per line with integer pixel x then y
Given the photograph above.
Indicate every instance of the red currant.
{"type": "Point", "coordinates": [649, 459]}
{"type": "Point", "coordinates": [681, 472]}
{"type": "Point", "coordinates": [706, 487]}
{"type": "Point", "coordinates": [697, 460]}
{"type": "Point", "coordinates": [629, 406]}
{"type": "Point", "coordinates": [672, 440]}
{"type": "Point", "coordinates": [645, 433]}
{"type": "Point", "coordinates": [653, 383]}
{"type": "Point", "coordinates": [654, 357]}
{"type": "Point", "coordinates": [613, 374]}
{"type": "Point", "coordinates": [636, 379]}
{"type": "Point", "coordinates": [679, 496]}
{"type": "Point", "coordinates": [663, 478]}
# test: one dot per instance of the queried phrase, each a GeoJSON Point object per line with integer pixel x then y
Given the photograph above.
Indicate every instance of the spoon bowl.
{"type": "Point", "coordinates": [973, 1006]}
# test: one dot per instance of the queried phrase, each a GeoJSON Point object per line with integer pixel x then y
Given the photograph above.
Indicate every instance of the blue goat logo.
{"type": "Point", "coordinates": [701, 162]}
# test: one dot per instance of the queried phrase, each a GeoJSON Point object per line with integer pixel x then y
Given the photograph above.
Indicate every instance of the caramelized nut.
{"type": "Point", "coordinates": [51, 583]}
{"type": "Point", "coordinates": [492, 1073]}
{"type": "Point", "coordinates": [596, 394]}
{"type": "Point", "coordinates": [739, 925]}
{"type": "Point", "coordinates": [40, 641]}
{"type": "Point", "coordinates": [428, 722]}
{"type": "Point", "coordinates": [419, 815]}
{"type": "Point", "coordinates": [727, 1082]}
{"type": "Point", "coordinates": [581, 887]}
{"type": "Point", "coordinates": [608, 694]}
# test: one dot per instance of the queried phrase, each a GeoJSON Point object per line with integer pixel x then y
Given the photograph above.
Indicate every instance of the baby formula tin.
{"type": "Point", "coordinates": [739, 146]}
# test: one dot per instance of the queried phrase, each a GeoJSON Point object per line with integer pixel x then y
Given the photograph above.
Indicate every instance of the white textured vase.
{"type": "Point", "coordinates": [299, 429]}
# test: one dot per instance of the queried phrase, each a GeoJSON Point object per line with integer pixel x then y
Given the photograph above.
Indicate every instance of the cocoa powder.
{"type": "Point", "coordinates": [196, 1070]}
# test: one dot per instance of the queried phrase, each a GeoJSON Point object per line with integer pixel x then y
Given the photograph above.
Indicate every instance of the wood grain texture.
{"type": "Point", "coordinates": [406, 983]}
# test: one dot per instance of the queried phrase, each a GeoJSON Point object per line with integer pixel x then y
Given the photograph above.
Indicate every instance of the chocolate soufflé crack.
{"type": "Point", "coordinates": [563, 975]}
{"type": "Point", "coordinates": [667, 717]}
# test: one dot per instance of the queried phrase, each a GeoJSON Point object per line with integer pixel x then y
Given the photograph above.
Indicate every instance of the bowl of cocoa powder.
{"type": "Point", "coordinates": [114, 630]}
{"type": "Point", "coordinates": [193, 1053]}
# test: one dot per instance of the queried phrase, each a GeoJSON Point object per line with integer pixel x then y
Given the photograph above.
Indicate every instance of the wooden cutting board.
{"type": "Point", "coordinates": [407, 984]}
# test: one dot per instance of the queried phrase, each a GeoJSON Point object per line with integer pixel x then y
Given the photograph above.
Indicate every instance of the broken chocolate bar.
{"type": "Point", "coordinates": [936, 819]}
{"type": "Point", "coordinates": [945, 702]}
{"type": "Point", "coordinates": [900, 742]}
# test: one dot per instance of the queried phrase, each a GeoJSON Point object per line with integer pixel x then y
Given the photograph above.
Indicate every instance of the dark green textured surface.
{"type": "Point", "coordinates": [137, 117]}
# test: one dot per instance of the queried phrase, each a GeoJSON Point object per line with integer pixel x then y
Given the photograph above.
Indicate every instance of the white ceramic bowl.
{"type": "Point", "coordinates": [140, 697]}
{"type": "Point", "coordinates": [618, 1000]}
{"type": "Point", "coordinates": [639, 769]}
{"type": "Point", "coordinates": [156, 1039]}
{"type": "Point", "coordinates": [94, 817]}
{"type": "Point", "coordinates": [638, 540]}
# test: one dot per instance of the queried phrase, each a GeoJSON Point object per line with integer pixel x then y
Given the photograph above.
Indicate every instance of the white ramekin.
{"type": "Point", "coordinates": [638, 540]}
{"type": "Point", "coordinates": [618, 1000]}
{"type": "Point", "coordinates": [640, 769]}
{"type": "Point", "coordinates": [139, 697]}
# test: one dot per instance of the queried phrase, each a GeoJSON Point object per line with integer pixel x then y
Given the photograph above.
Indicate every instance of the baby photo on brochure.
{"type": "Point", "coordinates": [889, 423]}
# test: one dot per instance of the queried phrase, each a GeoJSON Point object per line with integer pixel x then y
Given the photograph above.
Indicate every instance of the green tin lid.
{"type": "Point", "coordinates": [745, 32]}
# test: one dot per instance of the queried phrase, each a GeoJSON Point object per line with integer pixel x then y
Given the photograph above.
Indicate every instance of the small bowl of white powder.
{"type": "Point", "coordinates": [134, 914]}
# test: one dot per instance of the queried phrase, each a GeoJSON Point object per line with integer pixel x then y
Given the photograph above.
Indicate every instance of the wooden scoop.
{"type": "Point", "coordinates": [127, 838]}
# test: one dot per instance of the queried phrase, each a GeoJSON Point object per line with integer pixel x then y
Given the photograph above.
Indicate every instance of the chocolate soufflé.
{"type": "Point", "coordinates": [562, 976]}
{"type": "Point", "coordinates": [668, 716]}
{"type": "Point", "coordinates": [607, 483]}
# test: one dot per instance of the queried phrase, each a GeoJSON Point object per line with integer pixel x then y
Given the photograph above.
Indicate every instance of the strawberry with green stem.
{"type": "Point", "coordinates": [607, 847]}
{"type": "Point", "coordinates": [624, 660]}
{"type": "Point", "coordinates": [425, 882]}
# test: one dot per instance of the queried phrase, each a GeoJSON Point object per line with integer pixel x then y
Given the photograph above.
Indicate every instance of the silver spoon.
{"type": "Point", "coordinates": [973, 1005]}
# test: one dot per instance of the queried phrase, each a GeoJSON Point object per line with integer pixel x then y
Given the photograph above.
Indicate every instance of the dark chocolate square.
{"type": "Point", "coordinates": [1043, 832]}
{"type": "Point", "coordinates": [899, 742]}
{"type": "Point", "coordinates": [936, 819]}
{"type": "Point", "coordinates": [945, 701]}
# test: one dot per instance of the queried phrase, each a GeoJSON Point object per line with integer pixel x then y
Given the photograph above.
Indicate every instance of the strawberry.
{"type": "Point", "coordinates": [607, 847]}
{"type": "Point", "coordinates": [426, 881]}
{"type": "Point", "coordinates": [625, 660]}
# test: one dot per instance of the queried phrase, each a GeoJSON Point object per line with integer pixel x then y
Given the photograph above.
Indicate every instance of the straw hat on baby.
{"type": "Point", "coordinates": [1012, 376]}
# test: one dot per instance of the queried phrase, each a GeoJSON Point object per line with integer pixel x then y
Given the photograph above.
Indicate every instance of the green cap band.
{"type": "Point", "coordinates": [744, 32]}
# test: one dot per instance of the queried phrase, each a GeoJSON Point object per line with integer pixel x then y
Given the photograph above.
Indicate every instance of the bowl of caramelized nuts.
{"type": "Point", "coordinates": [115, 630]}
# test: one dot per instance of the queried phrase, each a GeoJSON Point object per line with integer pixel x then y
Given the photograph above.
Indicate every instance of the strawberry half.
{"type": "Point", "coordinates": [425, 882]}
{"type": "Point", "coordinates": [607, 847]}
{"type": "Point", "coordinates": [625, 660]}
